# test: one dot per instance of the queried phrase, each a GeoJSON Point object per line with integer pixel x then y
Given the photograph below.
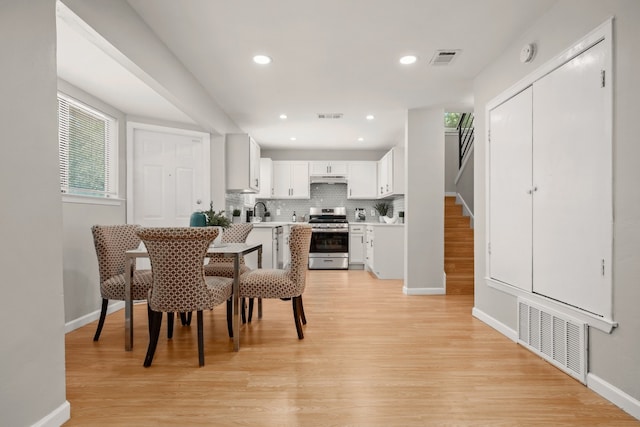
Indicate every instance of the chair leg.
{"type": "Point", "coordinates": [242, 311]}
{"type": "Point", "coordinates": [169, 325]}
{"type": "Point", "coordinates": [296, 316]}
{"type": "Point", "coordinates": [156, 322]}
{"type": "Point", "coordinates": [103, 315]}
{"type": "Point", "coordinates": [250, 315]}
{"type": "Point", "coordinates": [302, 316]}
{"type": "Point", "coordinates": [200, 339]}
{"type": "Point", "coordinates": [189, 316]}
{"type": "Point", "coordinates": [183, 319]}
{"type": "Point", "coordinates": [229, 317]}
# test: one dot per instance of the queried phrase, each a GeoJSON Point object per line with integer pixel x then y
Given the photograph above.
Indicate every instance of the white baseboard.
{"type": "Point", "coordinates": [91, 317]}
{"type": "Point", "coordinates": [614, 395]}
{"type": "Point", "coordinates": [512, 334]}
{"type": "Point", "coordinates": [57, 417]}
{"type": "Point", "coordinates": [450, 194]}
{"type": "Point", "coordinates": [423, 291]}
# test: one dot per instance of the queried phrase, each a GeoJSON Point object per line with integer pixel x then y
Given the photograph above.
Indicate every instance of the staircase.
{"type": "Point", "coordinates": [458, 249]}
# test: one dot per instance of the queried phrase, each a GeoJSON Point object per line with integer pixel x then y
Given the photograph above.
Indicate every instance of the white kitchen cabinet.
{"type": "Point", "coordinates": [242, 163]}
{"type": "Point", "coordinates": [550, 180]}
{"type": "Point", "coordinates": [357, 247]}
{"type": "Point", "coordinates": [385, 251]}
{"type": "Point", "coordinates": [361, 180]}
{"type": "Point", "coordinates": [290, 180]}
{"type": "Point", "coordinates": [391, 173]}
{"type": "Point", "coordinates": [266, 179]}
{"type": "Point", "coordinates": [327, 168]}
{"type": "Point", "coordinates": [271, 238]}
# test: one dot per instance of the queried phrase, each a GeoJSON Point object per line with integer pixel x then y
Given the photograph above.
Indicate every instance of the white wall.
{"type": "Point", "coordinates": [613, 358]}
{"type": "Point", "coordinates": [32, 365]}
{"type": "Point", "coordinates": [424, 202]}
{"type": "Point", "coordinates": [450, 161]}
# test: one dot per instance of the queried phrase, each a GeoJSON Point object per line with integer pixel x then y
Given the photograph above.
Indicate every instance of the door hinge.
{"type": "Point", "coordinates": [489, 247]}
{"type": "Point", "coordinates": [603, 267]}
{"type": "Point", "coordinates": [489, 136]}
{"type": "Point", "coordinates": [602, 78]}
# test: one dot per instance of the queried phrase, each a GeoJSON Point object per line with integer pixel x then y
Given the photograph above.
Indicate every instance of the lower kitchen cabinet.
{"type": "Point", "coordinates": [385, 251]}
{"type": "Point", "coordinates": [357, 246]}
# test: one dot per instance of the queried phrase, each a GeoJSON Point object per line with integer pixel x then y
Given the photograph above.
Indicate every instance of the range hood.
{"type": "Point", "coordinates": [328, 179]}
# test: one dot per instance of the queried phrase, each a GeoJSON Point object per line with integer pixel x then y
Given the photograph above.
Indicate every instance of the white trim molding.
{"type": "Point", "coordinates": [57, 417]}
{"type": "Point", "coordinates": [464, 163]}
{"type": "Point", "coordinates": [614, 395]}
{"type": "Point", "coordinates": [91, 317]}
{"type": "Point", "coordinates": [512, 334]}
{"type": "Point", "coordinates": [423, 291]}
{"type": "Point", "coordinates": [600, 323]}
{"type": "Point", "coordinates": [465, 209]}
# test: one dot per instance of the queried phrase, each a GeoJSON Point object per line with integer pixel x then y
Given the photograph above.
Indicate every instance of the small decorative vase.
{"type": "Point", "coordinates": [198, 219]}
{"type": "Point", "coordinates": [381, 219]}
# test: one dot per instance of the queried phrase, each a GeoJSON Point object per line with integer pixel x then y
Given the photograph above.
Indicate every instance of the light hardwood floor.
{"type": "Point", "coordinates": [371, 356]}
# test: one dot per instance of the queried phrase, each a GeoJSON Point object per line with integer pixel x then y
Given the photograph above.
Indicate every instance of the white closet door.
{"type": "Point", "coordinates": [510, 191]}
{"type": "Point", "coordinates": [170, 175]}
{"type": "Point", "coordinates": [572, 207]}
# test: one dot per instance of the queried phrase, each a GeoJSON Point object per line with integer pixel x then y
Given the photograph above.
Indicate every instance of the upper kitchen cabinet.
{"type": "Point", "coordinates": [243, 163]}
{"type": "Point", "coordinates": [266, 179]}
{"type": "Point", "coordinates": [290, 180]}
{"type": "Point", "coordinates": [328, 168]}
{"type": "Point", "coordinates": [391, 173]}
{"type": "Point", "coordinates": [361, 180]}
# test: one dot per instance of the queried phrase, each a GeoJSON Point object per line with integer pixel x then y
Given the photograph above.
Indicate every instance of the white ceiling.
{"type": "Point", "coordinates": [330, 56]}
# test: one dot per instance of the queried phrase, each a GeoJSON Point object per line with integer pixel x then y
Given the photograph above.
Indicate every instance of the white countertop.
{"type": "Point", "coordinates": [381, 224]}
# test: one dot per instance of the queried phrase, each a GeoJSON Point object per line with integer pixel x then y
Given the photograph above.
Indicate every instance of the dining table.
{"type": "Point", "coordinates": [229, 250]}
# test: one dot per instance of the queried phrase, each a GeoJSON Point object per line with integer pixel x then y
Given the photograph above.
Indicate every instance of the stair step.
{"type": "Point", "coordinates": [458, 250]}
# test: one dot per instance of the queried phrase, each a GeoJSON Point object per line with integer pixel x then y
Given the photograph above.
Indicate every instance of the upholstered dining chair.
{"type": "Point", "coordinates": [283, 284]}
{"type": "Point", "coordinates": [222, 266]}
{"type": "Point", "coordinates": [111, 243]}
{"type": "Point", "coordinates": [179, 284]}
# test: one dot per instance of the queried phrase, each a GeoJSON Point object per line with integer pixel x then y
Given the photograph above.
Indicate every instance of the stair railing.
{"type": "Point", "coordinates": [465, 136]}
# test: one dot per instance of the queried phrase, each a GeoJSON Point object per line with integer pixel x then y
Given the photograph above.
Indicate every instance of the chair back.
{"type": "Point", "coordinates": [111, 242]}
{"type": "Point", "coordinates": [177, 265]}
{"type": "Point", "coordinates": [237, 233]}
{"type": "Point", "coordinates": [299, 244]}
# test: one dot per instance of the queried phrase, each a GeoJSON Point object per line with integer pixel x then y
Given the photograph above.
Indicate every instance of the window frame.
{"type": "Point", "coordinates": [110, 194]}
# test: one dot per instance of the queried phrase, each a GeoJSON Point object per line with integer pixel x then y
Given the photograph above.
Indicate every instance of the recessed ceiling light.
{"type": "Point", "coordinates": [262, 59]}
{"type": "Point", "coordinates": [361, 139]}
{"type": "Point", "coordinates": [293, 138]}
{"type": "Point", "coordinates": [408, 59]}
{"type": "Point", "coordinates": [370, 117]}
{"type": "Point", "coordinates": [283, 116]}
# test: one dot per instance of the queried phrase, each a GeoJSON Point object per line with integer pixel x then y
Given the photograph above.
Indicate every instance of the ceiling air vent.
{"type": "Point", "coordinates": [444, 57]}
{"type": "Point", "coordinates": [330, 115]}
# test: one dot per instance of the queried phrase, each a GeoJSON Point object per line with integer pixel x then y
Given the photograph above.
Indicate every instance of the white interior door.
{"type": "Point", "coordinates": [510, 191]}
{"type": "Point", "coordinates": [170, 175]}
{"type": "Point", "coordinates": [572, 207]}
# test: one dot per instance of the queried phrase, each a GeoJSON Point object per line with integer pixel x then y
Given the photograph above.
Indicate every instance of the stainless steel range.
{"type": "Point", "coordinates": [329, 239]}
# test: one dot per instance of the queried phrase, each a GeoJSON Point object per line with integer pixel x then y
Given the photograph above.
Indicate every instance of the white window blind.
{"type": "Point", "coordinates": [88, 150]}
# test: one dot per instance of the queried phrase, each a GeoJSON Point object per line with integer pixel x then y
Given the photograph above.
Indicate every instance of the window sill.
{"type": "Point", "coordinates": [601, 323]}
{"type": "Point", "coordinates": [87, 200]}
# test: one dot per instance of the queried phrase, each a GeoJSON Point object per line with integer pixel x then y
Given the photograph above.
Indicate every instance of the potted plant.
{"type": "Point", "coordinates": [382, 208]}
{"type": "Point", "coordinates": [236, 216]}
{"type": "Point", "coordinates": [267, 216]}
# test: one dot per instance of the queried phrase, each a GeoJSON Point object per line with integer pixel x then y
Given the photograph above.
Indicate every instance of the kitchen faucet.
{"type": "Point", "coordinates": [256, 205]}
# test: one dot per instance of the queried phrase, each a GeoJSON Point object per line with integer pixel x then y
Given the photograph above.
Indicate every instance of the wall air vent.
{"type": "Point", "coordinates": [330, 115]}
{"type": "Point", "coordinates": [558, 339]}
{"type": "Point", "coordinates": [445, 57]}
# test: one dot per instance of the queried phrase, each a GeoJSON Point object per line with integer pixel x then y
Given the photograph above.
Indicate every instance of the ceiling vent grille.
{"type": "Point", "coordinates": [445, 57]}
{"type": "Point", "coordinates": [555, 337]}
{"type": "Point", "coordinates": [330, 115]}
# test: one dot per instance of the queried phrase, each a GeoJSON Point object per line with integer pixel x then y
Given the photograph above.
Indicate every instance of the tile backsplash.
{"type": "Point", "coordinates": [322, 195]}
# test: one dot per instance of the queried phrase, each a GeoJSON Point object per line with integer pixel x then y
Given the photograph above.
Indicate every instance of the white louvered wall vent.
{"type": "Point", "coordinates": [554, 337]}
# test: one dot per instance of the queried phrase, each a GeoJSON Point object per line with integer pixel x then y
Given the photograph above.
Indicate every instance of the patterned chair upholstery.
{"type": "Point", "coordinates": [283, 284]}
{"type": "Point", "coordinates": [222, 266]}
{"type": "Point", "coordinates": [111, 243]}
{"type": "Point", "coordinates": [179, 284]}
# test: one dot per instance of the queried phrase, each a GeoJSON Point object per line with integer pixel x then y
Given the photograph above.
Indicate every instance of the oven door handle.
{"type": "Point", "coordinates": [330, 230]}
